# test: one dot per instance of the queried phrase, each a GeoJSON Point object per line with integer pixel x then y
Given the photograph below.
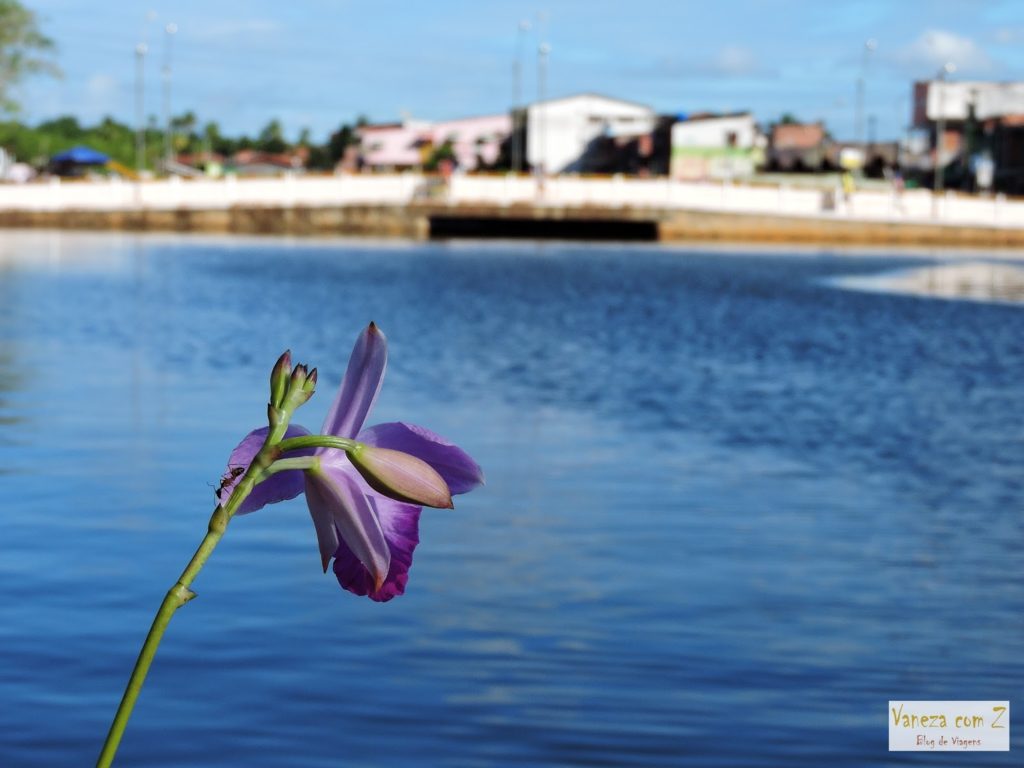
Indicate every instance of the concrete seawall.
{"type": "Point", "coordinates": [702, 225]}
{"type": "Point", "coordinates": [419, 220]}
{"type": "Point", "coordinates": [367, 220]}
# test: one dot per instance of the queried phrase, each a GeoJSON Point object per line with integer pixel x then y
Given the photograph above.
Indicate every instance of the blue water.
{"type": "Point", "coordinates": [731, 509]}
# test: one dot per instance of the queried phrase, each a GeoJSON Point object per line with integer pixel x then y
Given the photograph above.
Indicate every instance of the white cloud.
{"type": "Point", "coordinates": [234, 29]}
{"type": "Point", "coordinates": [728, 61]}
{"type": "Point", "coordinates": [100, 86]}
{"type": "Point", "coordinates": [101, 96]}
{"type": "Point", "coordinates": [733, 61]}
{"type": "Point", "coordinates": [1009, 35]}
{"type": "Point", "coordinates": [936, 47]}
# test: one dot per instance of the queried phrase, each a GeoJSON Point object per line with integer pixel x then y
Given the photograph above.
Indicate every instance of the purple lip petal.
{"type": "Point", "coordinates": [455, 466]}
{"type": "Point", "coordinates": [400, 523]}
{"type": "Point", "coordinates": [360, 386]}
{"type": "Point", "coordinates": [331, 491]}
{"type": "Point", "coordinates": [279, 487]}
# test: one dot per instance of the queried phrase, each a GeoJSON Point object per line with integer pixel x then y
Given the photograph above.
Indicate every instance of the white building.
{"type": "Point", "coordinates": [942, 118]}
{"type": "Point", "coordinates": [738, 130]}
{"type": "Point", "coordinates": [715, 147]}
{"type": "Point", "coordinates": [560, 132]}
{"type": "Point", "coordinates": [951, 100]}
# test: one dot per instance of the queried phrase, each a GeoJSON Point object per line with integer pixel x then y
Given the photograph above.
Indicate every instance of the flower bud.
{"type": "Point", "coordinates": [300, 387]}
{"type": "Point", "coordinates": [298, 378]}
{"type": "Point", "coordinates": [279, 378]}
{"type": "Point", "coordinates": [400, 476]}
{"type": "Point", "coordinates": [310, 384]}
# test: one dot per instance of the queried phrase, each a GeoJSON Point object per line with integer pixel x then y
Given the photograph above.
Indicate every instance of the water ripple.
{"type": "Point", "coordinates": [731, 510]}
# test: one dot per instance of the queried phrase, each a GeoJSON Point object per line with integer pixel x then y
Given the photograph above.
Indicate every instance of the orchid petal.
{"type": "Point", "coordinates": [400, 524]}
{"type": "Point", "coordinates": [360, 386]}
{"type": "Point", "coordinates": [279, 487]}
{"type": "Point", "coordinates": [455, 466]}
{"type": "Point", "coordinates": [326, 534]}
{"type": "Point", "coordinates": [333, 493]}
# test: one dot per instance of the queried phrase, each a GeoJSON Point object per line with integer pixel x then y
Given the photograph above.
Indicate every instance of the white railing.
{"type": "Point", "coordinates": [916, 206]}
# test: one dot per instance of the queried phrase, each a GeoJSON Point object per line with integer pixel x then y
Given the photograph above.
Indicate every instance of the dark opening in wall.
{"type": "Point", "coordinates": [556, 229]}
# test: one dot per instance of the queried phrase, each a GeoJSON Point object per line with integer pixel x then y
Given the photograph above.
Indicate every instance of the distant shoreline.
{"type": "Point", "coordinates": [611, 208]}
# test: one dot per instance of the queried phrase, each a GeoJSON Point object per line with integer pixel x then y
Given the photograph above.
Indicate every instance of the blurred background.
{"type": "Point", "coordinates": [724, 91]}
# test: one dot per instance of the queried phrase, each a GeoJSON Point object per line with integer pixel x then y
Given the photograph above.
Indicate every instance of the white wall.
{"type": "Point", "coordinates": [714, 132]}
{"type": "Point", "coordinates": [559, 131]}
{"type": "Point", "coordinates": [951, 99]}
{"type": "Point", "coordinates": [618, 191]}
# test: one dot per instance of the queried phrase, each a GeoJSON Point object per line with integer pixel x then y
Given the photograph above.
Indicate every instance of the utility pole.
{"type": "Point", "coordinates": [140, 108]}
{"type": "Point", "coordinates": [170, 30]}
{"type": "Point", "coordinates": [141, 49]}
{"type": "Point", "coordinates": [543, 51]}
{"type": "Point", "coordinates": [940, 136]}
{"type": "Point", "coordinates": [517, 98]}
{"type": "Point", "coordinates": [858, 119]}
{"type": "Point", "coordinates": [904, 123]}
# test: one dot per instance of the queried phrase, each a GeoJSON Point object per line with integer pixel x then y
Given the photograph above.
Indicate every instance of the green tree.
{"type": "Point", "coordinates": [339, 141]}
{"type": "Point", "coordinates": [183, 129]}
{"type": "Point", "coordinates": [215, 141]}
{"type": "Point", "coordinates": [24, 50]}
{"type": "Point", "coordinates": [440, 154]}
{"type": "Point", "coordinates": [66, 126]}
{"type": "Point", "coordinates": [271, 138]}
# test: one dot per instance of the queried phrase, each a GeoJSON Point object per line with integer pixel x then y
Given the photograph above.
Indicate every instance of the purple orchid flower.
{"type": "Point", "coordinates": [371, 536]}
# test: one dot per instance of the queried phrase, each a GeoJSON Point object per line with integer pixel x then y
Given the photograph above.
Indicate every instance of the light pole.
{"type": "Point", "coordinates": [543, 51]}
{"type": "Point", "coordinates": [903, 145]}
{"type": "Point", "coordinates": [858, 119]}
{"type": "Point", "coordinates": [940, 133]}
{"type": "Point", "coordinates": [140, 108]}
{"type": "Point", "coordinates": [170, 30]}
{"type": "Point", "coordinates": [517, 98]}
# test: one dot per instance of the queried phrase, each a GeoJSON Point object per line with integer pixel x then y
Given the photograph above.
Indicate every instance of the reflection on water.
{"type": "Point", "coordinates": [731, 510]}
{"type": "Point", "coordinates": [975, 280]}
{"type": "Point", "coordinates": [10, 381]}
{"type": "Point", "coordinates": [10, 378]}
{"type": "Point", "coordinates": [64, 252]}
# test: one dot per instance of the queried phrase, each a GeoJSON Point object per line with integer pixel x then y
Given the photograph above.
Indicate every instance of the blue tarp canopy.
{"type": "Point", "coordinates": [81, 156]}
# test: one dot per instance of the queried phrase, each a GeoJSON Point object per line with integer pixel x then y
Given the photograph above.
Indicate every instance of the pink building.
{"type": "Point", "coordinates": [393, 146]}
{"type": "Point", "coordinates": [475, 141]}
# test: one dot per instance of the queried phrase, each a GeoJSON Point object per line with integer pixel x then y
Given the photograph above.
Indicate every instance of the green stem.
{"type": "Point", "coordinates": [316, 441]}
{"type": "Point", "coordinates": [176, 597]}
{"type": "Point", "coordinates": [298, 462]}
{"type": "Point", "coordinates": [179, 594]}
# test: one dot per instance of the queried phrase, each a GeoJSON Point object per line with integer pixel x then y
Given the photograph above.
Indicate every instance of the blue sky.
{"type": "Point", "coordinates": [316, 63]}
